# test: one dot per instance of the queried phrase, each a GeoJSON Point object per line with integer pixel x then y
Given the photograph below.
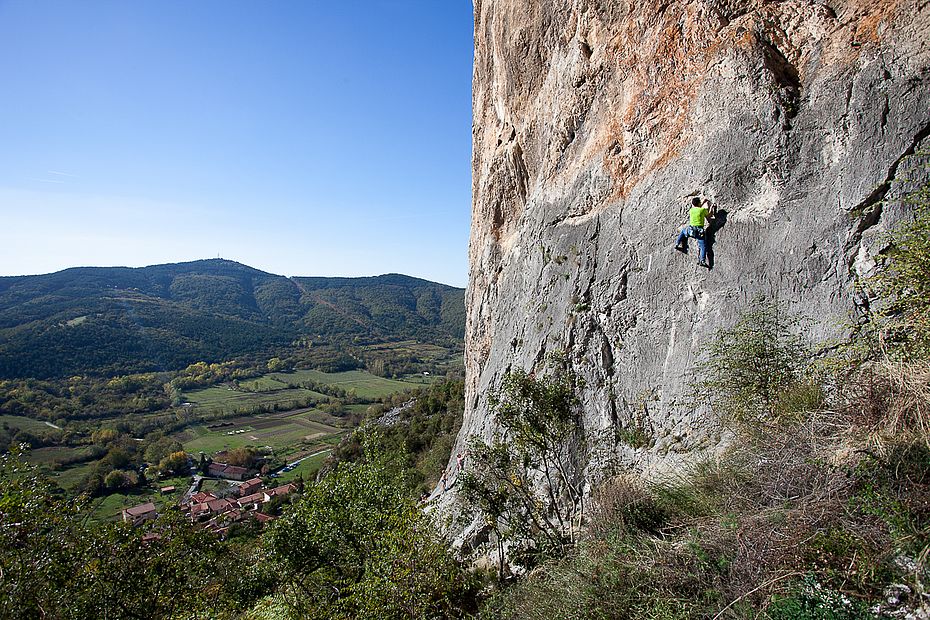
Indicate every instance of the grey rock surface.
{"type": "Point", "coordinates": [594, 124]}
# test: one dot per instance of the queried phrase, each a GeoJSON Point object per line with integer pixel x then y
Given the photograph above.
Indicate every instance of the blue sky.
{"type": "Point", "coordinates": [299, 137]}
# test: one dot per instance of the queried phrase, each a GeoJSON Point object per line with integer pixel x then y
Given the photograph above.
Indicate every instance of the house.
{"type": "Point", "coordinates": [140, 514]}
{"type": "Point", "coordinates": [262, 518]}
{"type": "Point", "coordinates": [199, 510]}
{"type": "Point", "coordinates": [250, 486]}
{"type": "Point", "coordinates": [201, 497]}
{"type": "Point", "coordinates": [166, 490]}
{"type": "Point", "coordinates": [230, 472]}
{"type": "Point", "coordinates": [215, 469]}
{"type": "Point", "coordinates": [284, 489]}
{"type": "Point", "coordinates": [212, 506]}
{"type": "Point", "coordinates": [219, 506]}
{"type": "Point", "coordinates": [219, 524]}
{"type": "Point", "coordinates": [251, 502]}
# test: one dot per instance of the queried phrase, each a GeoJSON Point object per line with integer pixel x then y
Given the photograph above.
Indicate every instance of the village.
{"type": "Point", "coordinates": [244, 498]}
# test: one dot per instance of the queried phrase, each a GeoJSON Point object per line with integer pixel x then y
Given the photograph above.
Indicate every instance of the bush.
{"type": "Point", "coordinates": [423, 432]}
{"type": "Point", "coordinates": [809, 600]}
{"type": "Point", "coordinates": [750, 365]}
{"type": "Point", "coordinates": [798, 400]}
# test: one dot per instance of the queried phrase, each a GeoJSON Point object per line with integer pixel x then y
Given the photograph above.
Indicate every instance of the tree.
{"type": "Point", "coordinates": [355, 545]}
{"type": "Point", "coordinates": [527, 481]}
{"type": "Point", "coordinates": [335, 406]}
{"type": "Point", "coordinates": [114, 480]}
{"type": "Point", "coordinates": [56, 563]}
{"type": "Point", "coordinates": [116, 458]}
{"type": "Point", "coordinates": [174, 463]}
{"type": "Point", "coordinates": [161, 447]}
{"type": "Point", "coordinates": [204, 465]}
{"type": "Point", "coordinates": [103, 436]}
{"type": "Point", "coordinates": [242, 457]}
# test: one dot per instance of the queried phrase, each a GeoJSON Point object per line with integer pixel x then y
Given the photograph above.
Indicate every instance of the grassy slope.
{"type": "Point", "coordinates": [35, 427]}
{"type": "Point", "coordinates": [307, 468]}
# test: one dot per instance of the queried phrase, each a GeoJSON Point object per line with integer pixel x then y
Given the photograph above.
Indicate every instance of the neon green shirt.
{"type": "Point", "coordinates": [698, 215]}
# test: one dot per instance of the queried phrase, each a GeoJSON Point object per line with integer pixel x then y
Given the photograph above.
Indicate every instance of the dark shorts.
{"type": "Point", "coordinates": [695, 232]}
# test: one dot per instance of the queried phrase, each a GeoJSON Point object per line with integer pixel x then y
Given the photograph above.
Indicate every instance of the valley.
{"type": "Point", "coordinates": [120, 382]}
{"type": "Point", "coordinates": [281, 415]}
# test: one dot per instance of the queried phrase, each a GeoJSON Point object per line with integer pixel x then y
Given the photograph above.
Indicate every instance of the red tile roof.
{"type": "Point", "coordinates": [141, 509]}
{"type": "Point", "coordinates": [199, 509]}
{"type": "Point", "coordinates": [219, 505]}
{"type": "Point", "coordinates": [222, 469]}
{"type": "Point", "coordinates": [254, 498]}
{"type": "Point", "coordinates": [284, 489]}
{"type": "Point", "coordinates": [250, 486]}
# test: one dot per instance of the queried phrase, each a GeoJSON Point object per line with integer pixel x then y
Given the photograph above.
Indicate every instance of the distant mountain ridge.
{"type": "Point", "coordinates": [120, 319]}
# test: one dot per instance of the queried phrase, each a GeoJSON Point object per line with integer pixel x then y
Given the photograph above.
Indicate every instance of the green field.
{"type": "Point", "coordinates": [285, 433]}
{"type": "Point", "coordinates": [109, 508]}
{"type": "Point", "coordinates": [217, 487]}
{"type": "Point", "coordinates": [182, 483]}
{"type": "Point", "coordinates": [35, 427]}
{"type": "Point", "coordinates": [71, 478]}
{"type": "Point", "coordinates": [358, 409]}
{"type": "Point", "coordinates": [50, 455]}
{"type": "Point", "coordinates": [364, 384]}
{"type": "Point", "coordinates": [225, 399]}
{"type": "Point", "coordinates": [266, 383]}
{"type": "Point", "coordinates": [289, 433]}
{"type": "Point", "coordinates": [47, 459]}
{"type": "Point", "coordinates": [307, 468]}
{"type": "Point", "coordinates": [438, 356]}
{"type": "Point", "coordinates": [272, 390]}
{"type": "Point", "coordinates": [423, 350]}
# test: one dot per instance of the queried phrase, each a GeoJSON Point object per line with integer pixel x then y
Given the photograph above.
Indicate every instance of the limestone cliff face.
{"type": "Point", "coordinates": [594, 124]}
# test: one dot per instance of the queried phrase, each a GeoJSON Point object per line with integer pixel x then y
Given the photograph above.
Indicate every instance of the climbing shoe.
{"type": "Point", "coordinates": [702, 263]}
{"type": "Point", "coordinates": [681, 248]}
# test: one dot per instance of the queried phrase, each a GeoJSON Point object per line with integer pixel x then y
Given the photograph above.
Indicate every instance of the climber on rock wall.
{"type": "Point", "coordinates": [698, 215]}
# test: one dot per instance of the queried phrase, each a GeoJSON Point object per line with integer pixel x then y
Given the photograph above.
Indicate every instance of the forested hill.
{"type": "Point", "coordinates": [117, 319]}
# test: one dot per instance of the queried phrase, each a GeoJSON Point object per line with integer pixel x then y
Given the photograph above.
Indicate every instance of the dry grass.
{"type": "Point", "coordinates": [892, 400]}
{"type": "Point", "coordinates": [838, 497]}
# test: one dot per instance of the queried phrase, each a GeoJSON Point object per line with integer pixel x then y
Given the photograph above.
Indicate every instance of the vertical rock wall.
{"type": "Point", "coordinates": [594, 124]}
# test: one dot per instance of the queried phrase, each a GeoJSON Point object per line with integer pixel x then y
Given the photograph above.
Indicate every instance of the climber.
{"type": "Point", "coordinates": [698, 215]}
